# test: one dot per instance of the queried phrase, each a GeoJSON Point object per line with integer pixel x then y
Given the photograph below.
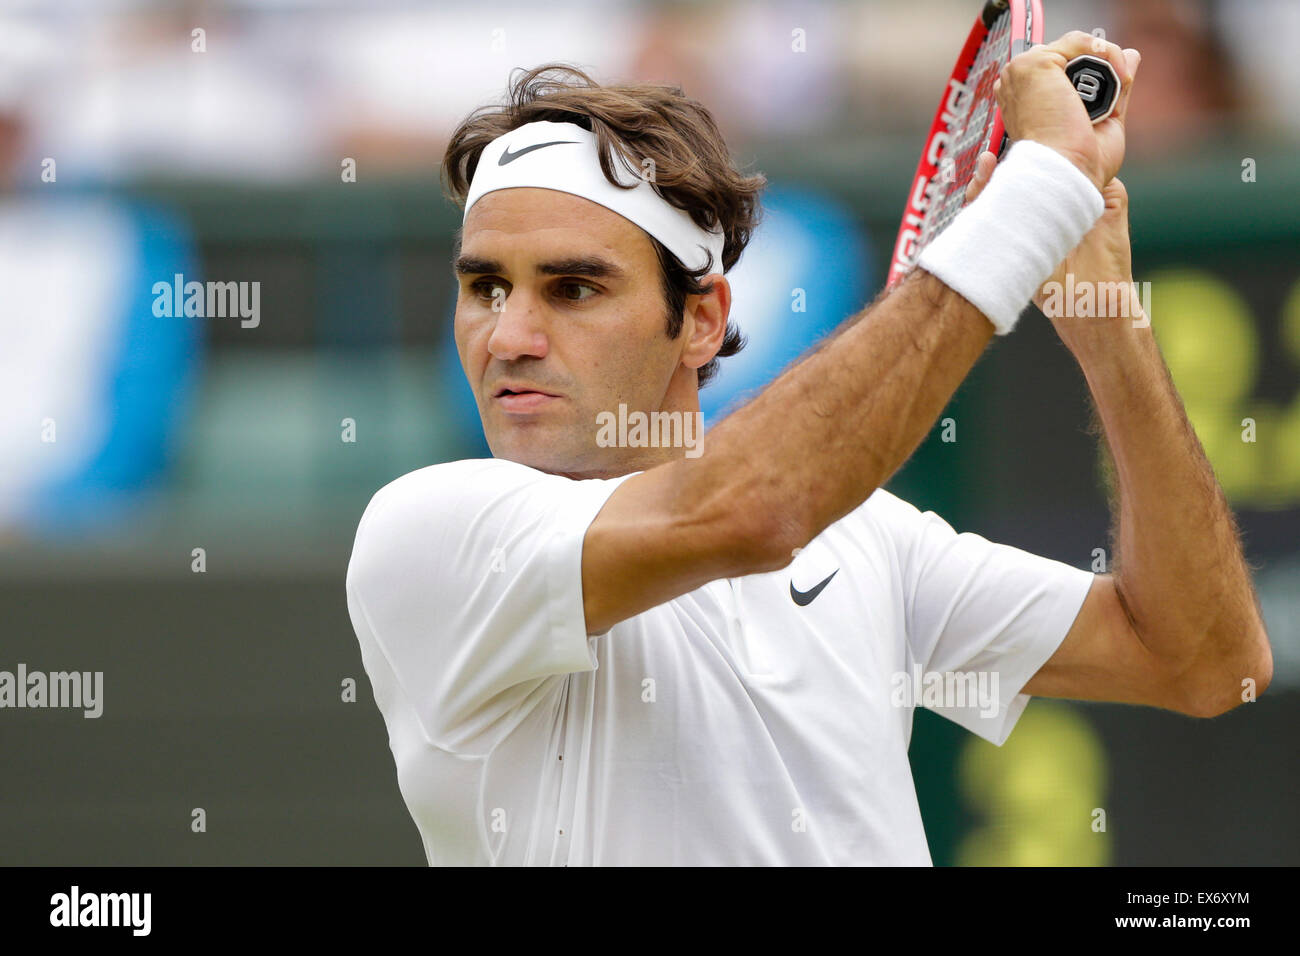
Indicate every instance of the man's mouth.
{"type": "Point", "coordinates": [522, 398]}
{"type": "Point", "coordinates": [520, 391]}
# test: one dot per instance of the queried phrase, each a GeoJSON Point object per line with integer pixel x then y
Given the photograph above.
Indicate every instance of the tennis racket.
{"type": "Point", "coordinates": [968, 120]}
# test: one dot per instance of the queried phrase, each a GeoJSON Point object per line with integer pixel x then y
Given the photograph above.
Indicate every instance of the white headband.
{"type": "Point", "coordinates": [563, 156]}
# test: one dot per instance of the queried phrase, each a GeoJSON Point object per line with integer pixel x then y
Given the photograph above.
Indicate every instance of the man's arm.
{"type": "Point", "coordinates": [1177, 625]}
{"type": "Point", "coordinates": [829, 431]}
{"type": "Point", "coordinates": [808, 450]}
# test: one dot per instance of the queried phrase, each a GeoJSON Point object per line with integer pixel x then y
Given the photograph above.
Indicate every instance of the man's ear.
{"type": "Point", "coordinates": [705, 321]}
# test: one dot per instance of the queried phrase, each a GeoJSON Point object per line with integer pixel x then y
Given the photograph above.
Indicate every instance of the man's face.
{"type": "Point", "coordinates": [560, 316]}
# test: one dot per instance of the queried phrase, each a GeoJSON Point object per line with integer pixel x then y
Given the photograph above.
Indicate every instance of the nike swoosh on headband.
{"type": "Point", "coordinates": [804, 598]}
{"type": "Point", "coordinates": [509, 157]}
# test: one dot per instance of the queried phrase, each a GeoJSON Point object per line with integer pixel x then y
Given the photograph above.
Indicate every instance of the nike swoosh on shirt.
{"type": "Point", "coordinates": [509, 157]}
{"type": "Point", "coordinates": [804, 598]}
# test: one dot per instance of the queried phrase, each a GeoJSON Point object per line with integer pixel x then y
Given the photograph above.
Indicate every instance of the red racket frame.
{"type": "Point", "coordinates": [1026, 25]}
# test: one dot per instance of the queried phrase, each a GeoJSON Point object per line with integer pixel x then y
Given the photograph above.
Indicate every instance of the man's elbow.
{"type": "Point", "coordinates": [743, 531]}
{"type": "Point", "coordinates": [1229, 684]}
{"type": "Point", "coordinates": [768, 540]}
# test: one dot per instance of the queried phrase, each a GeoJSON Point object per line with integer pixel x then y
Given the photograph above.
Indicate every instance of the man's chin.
{"type": "Point", "coordinates": [540, 451]}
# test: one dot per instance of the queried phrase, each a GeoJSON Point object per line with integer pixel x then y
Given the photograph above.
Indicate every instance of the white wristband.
{"type": "Point", "coordinates": [1001, 248]}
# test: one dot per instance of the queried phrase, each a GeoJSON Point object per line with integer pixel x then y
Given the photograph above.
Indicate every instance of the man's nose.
{"type": "Point", "coordinates": [519, 331]}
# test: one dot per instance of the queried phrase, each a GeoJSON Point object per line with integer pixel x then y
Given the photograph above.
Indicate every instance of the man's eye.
{"type": "Point", "coordinates": [580, 285]}
{"type": "Point", "coordinates": [483, 286]}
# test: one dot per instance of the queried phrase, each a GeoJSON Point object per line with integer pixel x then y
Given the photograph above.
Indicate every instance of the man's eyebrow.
{"type": "Point", "coordinates": [593, 267]}
{"type": "Point", "coordinates": [475, 265]}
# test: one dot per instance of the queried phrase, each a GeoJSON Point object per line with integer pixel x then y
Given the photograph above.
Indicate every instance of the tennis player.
{"type": "Point", "coordinates": [590, 652]}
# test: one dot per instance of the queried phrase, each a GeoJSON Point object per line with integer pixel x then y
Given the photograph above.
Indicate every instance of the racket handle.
{"type": "Point", "coordinates": [1097, 84]}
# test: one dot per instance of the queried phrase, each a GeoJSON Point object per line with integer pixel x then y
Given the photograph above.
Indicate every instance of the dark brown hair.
{"type": "Point", "coordinates": [692, 167]}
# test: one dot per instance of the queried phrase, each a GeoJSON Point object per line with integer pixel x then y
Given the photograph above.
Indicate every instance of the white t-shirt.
{"type": "Point", "coordinates": [732, 725]}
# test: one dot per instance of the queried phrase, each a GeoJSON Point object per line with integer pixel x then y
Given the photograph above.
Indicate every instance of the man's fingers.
{"type": "Point", "coordinates": [1076, 43]}
{"type": "Point", "coordinates": [984, 166]}
{"type": "Point", "coordinates": [1115, 195]}
{"type": "Point", "coordinates": [1132, 58]}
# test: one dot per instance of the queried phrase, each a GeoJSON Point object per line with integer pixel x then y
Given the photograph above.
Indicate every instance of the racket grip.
{"type": "Point", "coordinates": [1097, 84]}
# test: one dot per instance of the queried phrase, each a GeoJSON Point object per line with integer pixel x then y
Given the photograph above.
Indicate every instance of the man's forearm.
{"type": "Point", "coordinates": [810, 448]}
{"type": "Point", "coordinates": [836, 426]}
{"type": "Point", "coordinates": [1179, 564]}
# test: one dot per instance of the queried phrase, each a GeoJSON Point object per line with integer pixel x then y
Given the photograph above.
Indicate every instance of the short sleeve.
{"type": "Point", "coordinates": [988, 614]}
{"type": "Point", "coordinates": [467, 578]}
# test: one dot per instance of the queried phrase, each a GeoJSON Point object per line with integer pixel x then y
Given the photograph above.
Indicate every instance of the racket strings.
{"type": "Point", "coordinates": [970, 132]}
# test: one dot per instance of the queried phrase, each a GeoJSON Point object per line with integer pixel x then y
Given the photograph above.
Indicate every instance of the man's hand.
{"type": "Point", "coordinates": [1039, 102]}
{"type": "Point", "coordinates": [1104, 255]}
